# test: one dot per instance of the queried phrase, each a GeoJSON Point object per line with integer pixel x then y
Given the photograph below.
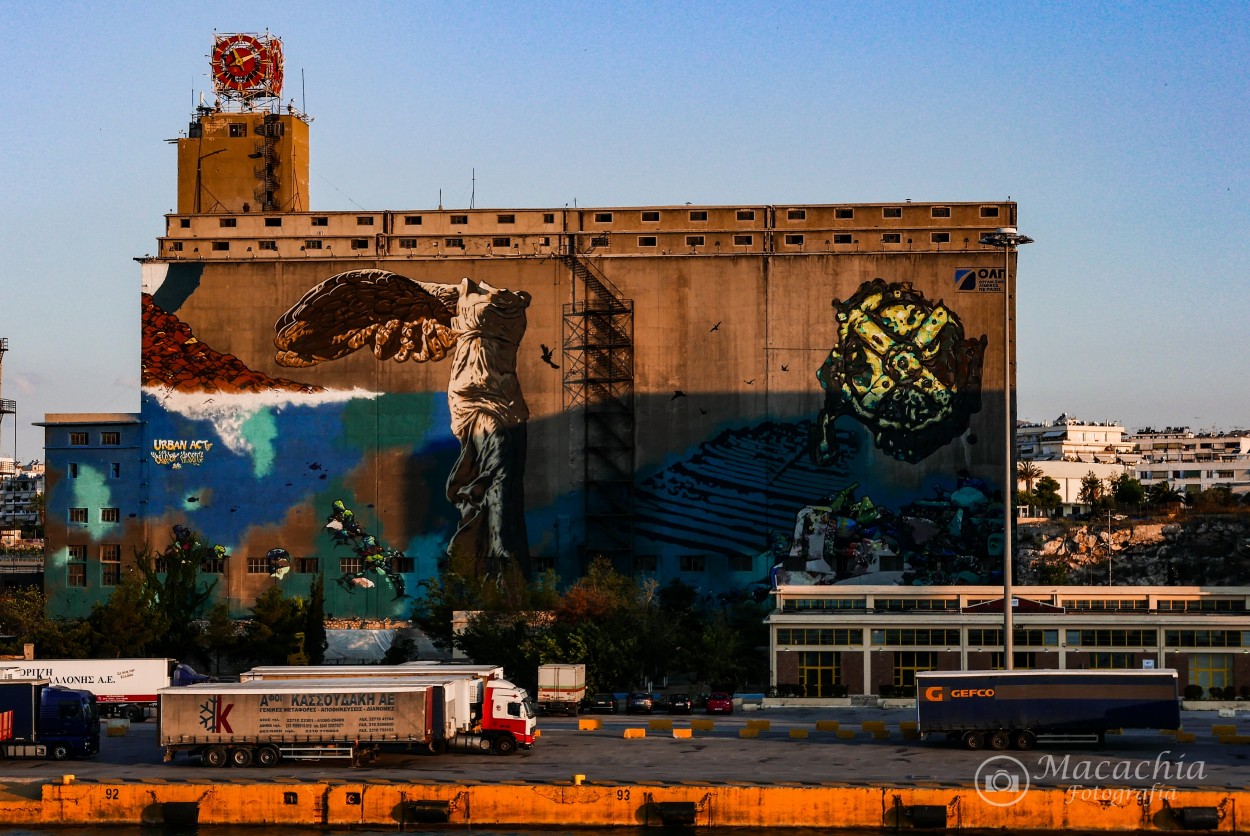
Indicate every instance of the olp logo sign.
{"type": "Point", "coordinates": [1002, 780]}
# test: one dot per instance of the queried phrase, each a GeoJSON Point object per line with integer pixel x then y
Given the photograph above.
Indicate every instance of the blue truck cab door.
{"type": "Point", "coordinates": [69, 722]}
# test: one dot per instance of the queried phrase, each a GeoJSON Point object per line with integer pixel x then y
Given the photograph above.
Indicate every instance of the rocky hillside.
{"type": "Point", "coordinates": [1192, 550]}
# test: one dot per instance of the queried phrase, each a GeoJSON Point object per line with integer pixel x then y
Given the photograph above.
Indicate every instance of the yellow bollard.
{"type": "Point", "coordinates": [846, 734]}
{"type": "Point", "coordinates": [872, 725]}
{"type": "Point", "coordinates": [590, 724]}
{"type": "Point", "coordinates": [682, 733]}
{"type": "Point", "coordinates": [827, 725]}
{"type": "Point", "coordinates": [762, 725]}
{"type": "Point", "coordinates": [798, 734]}
{"type": "Point", "coordinates": [635, 734]}
{"type": "Point", "coordinates": [703, 725]}
{"type": "Point", "coordinates": [660, 725]}
{"type": "Point", "coordinates": [748, 733]}
{"type": "Point", "coordinates": [578, 779]}
{"type": "Point", "coordinates": [1220, 730]}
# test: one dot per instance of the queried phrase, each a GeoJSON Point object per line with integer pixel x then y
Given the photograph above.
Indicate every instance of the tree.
{"type": "Point", "coordinates": [1046, 496]}
{"type": "Point", "coordinates": [1163, 496]}
{"type": "Point", "coordinates": [1027, 472]}
{"type": "Point", "coordinates": [1093, 491]}
{"type": "Point", "coordinates": [24, 616]}
{"type": "Point", "coordinates": [181, 595]}
{"type": "Point", "coordinates": [219, 641]}
{"type": "Point", "coordinates": [130, 622]}
{"type": "Point", "coordinates": [315, 641]}
{"type": "Point", "coordinates": [1127, 490]}
{"type": "Point", "coordinates": [271, 635]}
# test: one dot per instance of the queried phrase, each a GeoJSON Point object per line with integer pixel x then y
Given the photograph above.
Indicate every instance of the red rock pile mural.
{"type": "Point", "coordinates": [174, 359]}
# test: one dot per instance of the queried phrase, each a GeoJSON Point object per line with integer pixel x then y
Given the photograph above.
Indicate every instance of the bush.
{"type": "Point", "coordinates": [1193, 692]}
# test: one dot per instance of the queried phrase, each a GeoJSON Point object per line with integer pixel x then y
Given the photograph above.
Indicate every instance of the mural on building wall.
{"type": "Point", "coordinates": [375, 558]}
{"type": "Point", "coordinates": [405, 320]}
{"type": "Point", "coordinates": [901, 367]}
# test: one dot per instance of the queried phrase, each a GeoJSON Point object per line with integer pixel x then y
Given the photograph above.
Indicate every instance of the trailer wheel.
{"type": "Point", "coordinates": [437, 746]}
{"type": "Point", "coordinates": [241, 757]}
{"type": "Point", "coordinates": [134, 713]}
{"type": "Point", "coordinates": [267, 756]}
{"type": "Point", "coordinates": [214, 756]}
{"type": "Point", "coordinates": [1024, 740]}
{"type": "Point", "coordinates": [1000, 740]}
{"type": "Point", "coordinates": [58, 751]}
{"type": "Point", "coordinates": [505, 744]}
{"type": "Point", "coordinates": [974, 740]}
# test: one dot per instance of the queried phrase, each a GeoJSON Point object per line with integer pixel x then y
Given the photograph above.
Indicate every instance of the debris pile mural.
{"type": "Point", "coordinates": [902, 368]}
{"type": "Point", "coordinates": [376, 559]}
{"type": "Point", "coordinates": [405, 320]}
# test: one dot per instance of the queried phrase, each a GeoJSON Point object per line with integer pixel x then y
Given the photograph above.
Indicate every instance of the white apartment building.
{"type": "Point", "coordinates": [1069, 449]}
{"type": "Point", "coordinates": [19, 485]}
{"type": "Point", "coordinates": [1193, 462]}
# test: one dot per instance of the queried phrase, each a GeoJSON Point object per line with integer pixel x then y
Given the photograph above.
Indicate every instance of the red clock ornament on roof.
{"type": "Point", "coordinates": [247, 65]}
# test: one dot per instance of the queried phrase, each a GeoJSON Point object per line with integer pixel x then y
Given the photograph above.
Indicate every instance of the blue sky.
{"type": "Point", "coordinates": [1122, 130]}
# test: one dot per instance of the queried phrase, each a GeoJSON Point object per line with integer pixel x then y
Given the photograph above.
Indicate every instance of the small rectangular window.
{"type": "Point", "coordinates": [459, 220]}
{"type": "Point", "coordinates": [76, 575]}
{"type": "Point", "coordinates": [407, 243]}
{"type": "Point", "coordinates": [746, 214]}
{"type": "Point", "coordinates": [221, 246]}
{"type": "Point", "coordinates": [794, 240]}
{"type": "Point", "coordinates": [744, 240]}
{"type": "Point", "coordinates": [115, 470]}
{"type": "Point", "coordinates": [403, 564]}
{"type": "Point", "coordinates": [844, 213]}
{"type": "Point", "coordinates": [693, 563]}
{"type": "Point", "coordinates": [843, 238]}
{"type": "Point", "coordinates": [257, 566]}
{"type": "Point", "coordinates": [501, 242]}
{"type": "Point", "coordinates": [989, 211]}
{"type": "Point", "coordinates": [77, 552]}
{"type": "Point", "coordinates": [78, 515]}
{"type": "Point", "coordinates": [650, 217]}
{"type": "Point", "coordinates": [412, 220]}
{"type": "Point", "coordinates": [940, 237]}
{"type": "Point", "coordinates": [272, 246]}
{"type": "Point", "coordinates": [646, 563]}
{"type": "Point", "coordinates": [892, 212]}
{"type": "Point", "coordinates": [364, 220]}
{"type": "Point", "coordinates": [321, 221]}
{"type": "Point", "coordinates": [454, 243]}
{"type": "Point", "coordinates": [307, 565]}
{"type": "Point", "coordinates": [549, 217]}
{"type": "Point", "coordinates": [891, 238]}
{"type": "Point", "coordinates": [185, 223]}
{"type": "Point", "coordinates": [694, 240]}
{"type": "Point", "coordinates": [273, 222]}
{"type": "Point", "coordinates": [599, 241]}
{"type": "Point", "coordinates": [110, 515]}
{"type": "Point", "coordinates": [78, 439]}
{"type": "Point", "coordinates": [796, 215]}
{"type": "Point", "coordinates": [603, 217]}
{"type": "Point", "coordinates": [176, 246]}
{"type": "Point", "coordinates": [238, 130]}
{"type": "Point", "coordinates": [72, 470]}
{"type": "Point", "coordinates": [646, 241]}
{"type": "Point", "coordinates": [312, 244]}
{"type": "Point", "coordinates": [110, 564]}
{"type": "Point", "coordinates": [360, 243]}
{"type": "Point", "coordinates": [698, 215]}
{"type": "Point", "coordinates": [351, 565]}
{"type": "Point", "coordinates": [214, 565]}
{"type": "Point", "coordinates": [940, 211]}
{"type": "Point", "coordinates": [505, 219]}
{"type": "Point", "coordinates": [228, 223]}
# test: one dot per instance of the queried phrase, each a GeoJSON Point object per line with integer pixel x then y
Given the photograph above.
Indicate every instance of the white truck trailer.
{"type": "Point", "coordinates": [561, 689]}
{"type": "Point", "coordinates": [122, 687]}
{"type": "Point", "coordinates": [264, 721]}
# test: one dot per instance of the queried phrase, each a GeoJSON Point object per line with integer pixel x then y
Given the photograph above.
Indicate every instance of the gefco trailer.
{"type": "Point", "coordinates": [1019, 709]}
{"type": "Point", "coordinates": [487, 678]}
{"type": "Point", "coordinates": [264, 722]}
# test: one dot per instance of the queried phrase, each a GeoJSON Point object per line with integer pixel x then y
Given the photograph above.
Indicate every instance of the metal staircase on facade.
{"type": "Point", "coordinates": [598, 354]}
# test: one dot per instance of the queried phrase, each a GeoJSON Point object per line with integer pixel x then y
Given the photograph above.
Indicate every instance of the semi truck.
{"type": "Point", "coordinates": [561, 689]}
{"type": "Point", "coordinates": [123, 687]}
{"type": "Point", "coordinates": [1018, 709]}
{"type": "Point", "coordinates": [42, 720]}
{"type": "Point", "coordinates": [265, 721]}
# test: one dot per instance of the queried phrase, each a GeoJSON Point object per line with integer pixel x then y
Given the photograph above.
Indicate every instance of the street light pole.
{"type": "Point", "coordinates": [1009, 239]}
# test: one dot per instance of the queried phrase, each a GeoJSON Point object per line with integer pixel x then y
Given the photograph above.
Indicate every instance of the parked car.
{"type": "Point", "coordinates": [718, 702]}
{"type": "Point", "coordinates": [679, 704]}
{"type": "Point", "coordinates": [600, 704]}
{"type": "Point", "coordinates": [659, 702]}
{"type": "Point", "coordinates": [639, 702]}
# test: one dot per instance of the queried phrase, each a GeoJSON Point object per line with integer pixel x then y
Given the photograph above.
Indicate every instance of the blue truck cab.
{"type": "Point", "coordinates": [39, 719]}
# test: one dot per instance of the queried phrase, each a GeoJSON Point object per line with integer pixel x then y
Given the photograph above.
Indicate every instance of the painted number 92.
{"type": "Point", "coordinates": [111, 794]}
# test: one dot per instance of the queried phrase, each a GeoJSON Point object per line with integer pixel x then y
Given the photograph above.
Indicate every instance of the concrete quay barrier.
{"type": "Point", "coordinates": [611, 804]}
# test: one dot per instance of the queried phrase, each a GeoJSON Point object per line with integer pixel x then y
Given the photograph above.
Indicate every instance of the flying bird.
{"type": "Point", "coordinates": [677, 393]}
{"type": "Point", "coordinates": [547, 356]}
{"type": "Point", "coordinates": [785, 368]}
{"type": "Point", "coordinates": [702, 411]}
{"type": "Point", "coordinates": [715, 327]}
{"type": "Point", "coordinates": [749, 382]}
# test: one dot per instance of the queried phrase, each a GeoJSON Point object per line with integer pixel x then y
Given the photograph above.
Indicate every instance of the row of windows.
{"type": "Point", "coordinates": [107, 438]}
{"type": "Point", "coordinates": [1206, 638]}
{"type": "Point", "coordinates": [916, 637]}
{"type": "Point", "coordinates": [1100, 604]}
{"type": "Point", "coordinates": [1203, 605]}
{"type": "Point", "coordinates": [1133, 605]}
{"type": "Point", "coordinates": [819, 604]}
{"type": "Point", "coordinates": [1024, 637]}
{"type": "Point", "coordinates": [368, 220]}
{"type": "Point", "coordinates": [111, 555]}
{"type": "Point", "coordinates": [1112, 638]}
{"type": "Point", "coordinates": [843, 636]}
{"type": "Point", "coordinates": [114, 470]}
{"type": "Point", "coordinates": [107, 515]}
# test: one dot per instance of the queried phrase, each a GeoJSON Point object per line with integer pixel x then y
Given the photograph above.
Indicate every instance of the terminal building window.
{"type": "Point", "coordinates": [819, 672]}
{"type": "Point", "coordinates": [228, 222]}
{"type": "Point", "coordinates": [989, 211]}
{"type": "Point", "coordinates": [459, 220]}
{"type": "Point", "coordinates": [1211, 670]}
{"type": "Point", "coordinates": [271, 246]}
{"type": "Point", "coordinates": [1112, 638]}
{"type": "Point", "coordinates": [844, 214]}
{"type": "Point", "coordinates": [505, 219]}
{"type": "Point", "coordinates": [694, 240]}
{"type": "Point", "coordinates": [746, 214]}
{"type": "Point", "coordinates": [646, 240]}
{"type": "Point", "coordinates": [838, 636]}
{"type": "Point", "coordinates": [312, 244]}
{"type": "Point", "coordinates": [407, 243]}
{"type": "Point", "coordinates": [905, 604]}
{"type": "Point", "coordinates": [364, 220]}
{"type": "Point", "coordinates": [916, 637]}
{"type": "Point", "coordinates": [940, 212]}
{"type": "Point", "coordinates": [321, 221]}
{"type": "Point", "coordinates": [412, 220]}
{"type": "Point", "coordinates": [940, 237]}
{"type": "Point", "coordinates": [744, 240]}
{"type": "Point", "coordinates": [892, 212]}
{"type": "Point", "coordinates": [891, 238]}
{"type": "Point", "coordinates": [603, 217]}
{"type": "Point", "coordinates": [907, 663]}
{"type": "Point", "coordinates": [794, 240]}
{"type": "Point", "coordinates": [501, 242]}
{"type": "Point", "coordinates": [842, 238]}
{"type": "Point", "coordinates": [1024, 637]}
{"type": "Point", "coordinates": [360, 243]}
{"type": "Point", "coordinates": [273, 222]}
{"type": "Point", "coordinates": [1206, 638]}
{"type": "Point", "coordinates": [1111, 661]}
{"type": "Point", "coordinates": [796, 215]}
{"type": "Point", "coordinates": [818, 604]}
{"type": "Point", "coordinates": [698, 215]}
{"type": "Point", "coordinates": [650, 217]}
